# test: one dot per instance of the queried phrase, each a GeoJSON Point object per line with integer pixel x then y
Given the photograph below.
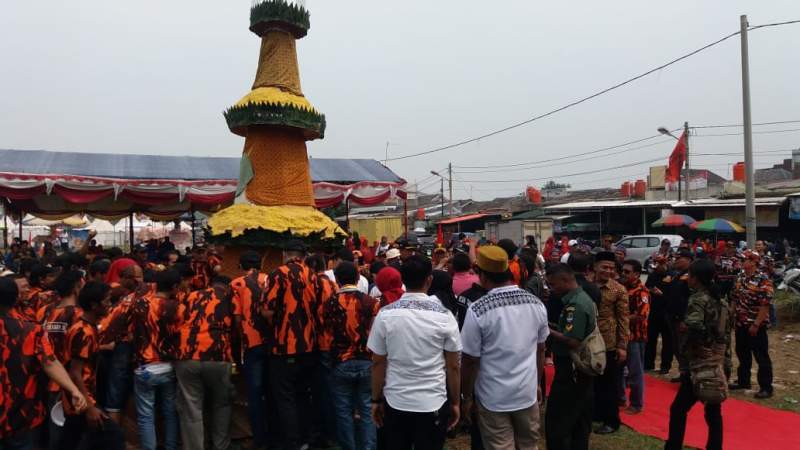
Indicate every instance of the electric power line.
{"type": "Point", "coordinates": [592, 96]}
{"type": "Point", "coordinates": [571, 104]}
{"type": "Point", "coordinates": [565, 175]}
{"type": "Point", "coordinates": [789, 130]}
{"type": "Point", "coordinates": [781, 122]}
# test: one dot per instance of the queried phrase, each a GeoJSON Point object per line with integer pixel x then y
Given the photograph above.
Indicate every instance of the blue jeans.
{"type": "Point", "coordinates": [255, 377]}
{"type": "Point", "coordinates": [147, 387]}
{"type": "Point", "coordinates": [351, 391]}
{"type": "Point", "coordinates": [119, 378]}
{"type": "Point", "coordinates": [635, 378]}
{"type": "Point", "coordinates": [20, 441]}
{"type": "Point", "coordinates": [321, 396]}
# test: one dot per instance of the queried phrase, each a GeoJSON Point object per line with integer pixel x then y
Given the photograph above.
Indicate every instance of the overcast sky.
{"type": "Point", "coordinates": [153, 77]}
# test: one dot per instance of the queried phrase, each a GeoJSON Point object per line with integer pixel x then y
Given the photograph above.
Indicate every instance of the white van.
{"type": "Point", "coordinates": [642, 247]}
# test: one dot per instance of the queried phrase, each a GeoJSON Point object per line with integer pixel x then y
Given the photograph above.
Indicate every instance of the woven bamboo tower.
{"type": "Point", "coordinates": [274, 198]}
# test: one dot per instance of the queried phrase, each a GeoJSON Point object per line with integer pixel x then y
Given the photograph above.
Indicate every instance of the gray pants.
{"type": "Point", "coordinates": [197, 379]}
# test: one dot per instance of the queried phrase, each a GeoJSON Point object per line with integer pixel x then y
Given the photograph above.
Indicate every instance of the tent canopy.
{"type": "Point", "coordinates": [55, 184]}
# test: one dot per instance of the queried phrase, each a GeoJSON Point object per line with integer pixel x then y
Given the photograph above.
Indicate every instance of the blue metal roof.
{"type": "Point", "coordinates": [41, 162]}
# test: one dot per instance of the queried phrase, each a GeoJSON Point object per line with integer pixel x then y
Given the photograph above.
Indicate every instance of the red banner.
{"type": "Point", "coordinates": [677, 159]}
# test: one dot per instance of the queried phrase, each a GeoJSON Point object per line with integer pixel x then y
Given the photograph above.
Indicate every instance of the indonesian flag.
{"type": "Point", "coordinates": [677, 159]}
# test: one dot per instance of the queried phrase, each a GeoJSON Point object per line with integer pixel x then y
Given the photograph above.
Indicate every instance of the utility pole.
{"type": "Point", "coordinates": [450, 185]}
{"type": "Point", "coordinates": [749, 181]}
{"type": "Point", "coordinates": [386, 159]}
{"type": "Point", "coordinates": [442, 194]}
{"type": "Point", "coordinates": [688, 171]}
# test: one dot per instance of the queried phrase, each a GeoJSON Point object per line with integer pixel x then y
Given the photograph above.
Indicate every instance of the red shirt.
{"type": "Point", "coordinates": [326, 290]}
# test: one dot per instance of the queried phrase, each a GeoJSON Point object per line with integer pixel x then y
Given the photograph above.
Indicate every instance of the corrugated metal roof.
{"type": "Point", "coordinates": [106, 165]}
{"type": "Point", "coordinates": [607, 204]}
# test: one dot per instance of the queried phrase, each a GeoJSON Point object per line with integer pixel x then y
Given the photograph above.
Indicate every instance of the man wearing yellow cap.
{"type": "Point", "coordinates": [501, 331]}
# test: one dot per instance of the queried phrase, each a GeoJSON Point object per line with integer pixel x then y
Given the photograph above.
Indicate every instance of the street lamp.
{"type": "Point", "coordinates": [433, 172]}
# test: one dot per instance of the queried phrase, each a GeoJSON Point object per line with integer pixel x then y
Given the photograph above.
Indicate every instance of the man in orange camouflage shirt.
{"type": "Point", "coordinates": [25, 353]}
{"type": "Point", "coordinates": [291, 303]}
{"type": "Point", "coordinates": [247, 293]}
{"type": "Point", "coordinates": [92, 428]}
{"type": "Point", "coordinates": [639, 308]}
{"type": "Point", "coordinates": [204, 369]}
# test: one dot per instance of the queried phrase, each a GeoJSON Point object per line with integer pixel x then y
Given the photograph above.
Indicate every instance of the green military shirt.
{"type": "Point", "coordinates": [577, 319]}
{"type": "Point", "coordinates": [707, 328]}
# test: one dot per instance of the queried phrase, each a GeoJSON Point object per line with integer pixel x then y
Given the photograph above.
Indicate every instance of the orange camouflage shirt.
{"type": "Point", "coordinates": [28, 307]}
{"type": "Point", "coordinates": [152, 321]}
{"type": "Point", "coordinates": [326, 289]}
{"type": "Point", "coordinates": [56, 321]}
{"type": "Point", "coordinates": [82, 343]}
{"type": "Point", "coordinates": [639, 308]}
{"type": "Point", "coordinates": [205, 329]}
{"type": "Point", "coordinates": [292, 298]}
{"type": "Point", "coordinates": [24, 349]}
{"type": "Point", "coordinates": [247, 303]}
{"type": "Point", "coordinates": [348, 318]}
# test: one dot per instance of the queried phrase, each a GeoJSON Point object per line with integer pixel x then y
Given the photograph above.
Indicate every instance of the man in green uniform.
{"type": "Point", "coordinates": [568, 419]}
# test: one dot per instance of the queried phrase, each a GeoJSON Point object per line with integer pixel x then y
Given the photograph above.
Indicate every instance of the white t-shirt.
{"type": "Point", "coordinates": [413, 333]}
{"type": "Point", "coordinates": [503, 329]}
{"type": "Point", "coordinates": [565, 258]}
{"type": "Point", "coordinates": [363, 284]}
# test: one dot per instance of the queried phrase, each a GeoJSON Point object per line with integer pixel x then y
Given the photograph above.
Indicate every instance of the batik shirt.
{"type": "Point", "coordinates": [247, 303]}
{"type": "Point", "coordinates": [639, 308]}
{"type": "Point", "coordinates": [348, 319]}
{"type": "Point", "coordinates": [292, 298]}
{"type": "Point", "coordinates": [152, 320]}
{"type": "Point", "coordinates": [24, 349]}
{"type": "Point", "coordinates": [205, 328]}
{"type": "Point", "coordinates": [612, 317]}
{"type": "Point", "coordinates": [326, 289]}
{"type": "Point", "coordinates": [82, 343]}
{"type": "Point", "coordinates": [750, 293]}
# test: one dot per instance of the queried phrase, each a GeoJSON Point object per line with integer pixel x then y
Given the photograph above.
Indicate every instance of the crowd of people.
{"type": "Point", "coordinates": [371, 346]}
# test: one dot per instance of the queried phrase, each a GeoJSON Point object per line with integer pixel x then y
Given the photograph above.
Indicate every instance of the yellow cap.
{"type": "Point", "coordinates": [492, 259]}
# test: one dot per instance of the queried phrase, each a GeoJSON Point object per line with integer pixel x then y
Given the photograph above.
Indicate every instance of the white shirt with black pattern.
{"type": "Point", "coordinates": [413, 333]}
{"type": "Point", "coordinates": [504, 329]}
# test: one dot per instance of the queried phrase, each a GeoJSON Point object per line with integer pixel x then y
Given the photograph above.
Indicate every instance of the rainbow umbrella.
{"type": "Point", "coordinates": [675, 220]}
{"type": "Point", "coordinates": [717, 226]}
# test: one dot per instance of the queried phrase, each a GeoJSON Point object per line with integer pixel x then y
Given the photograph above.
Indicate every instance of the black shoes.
{"type": "Point", "coordinates": [605, 429]}
{"type": "Point", "coordinates": [762, 394]}
{"type": "Point", "coordinates": [738, 387]}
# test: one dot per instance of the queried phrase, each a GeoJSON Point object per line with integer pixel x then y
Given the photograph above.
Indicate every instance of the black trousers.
{"type": "Point", "coordinates": [76, 434]}
{"type": "Point", "coordinates": [756, 346]}
{"type": "Point", "coordinates": [413, 430]}
{"type": "Point", "coordinates": [568, 418]}
{"type": "Point", "coordinates": [684, 400]}
{"type": "Point", "coordinates": [683, 364]}
{"type": "Point", "coordinates": [292, 378]}
{"type": "Point", "coordinates": [657, 326]}
{"type": "Point", "coordinates": [606, 409]}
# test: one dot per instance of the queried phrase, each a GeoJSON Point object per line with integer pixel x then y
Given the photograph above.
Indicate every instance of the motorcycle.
{"type": "Point", "coordinates": [790, 279]}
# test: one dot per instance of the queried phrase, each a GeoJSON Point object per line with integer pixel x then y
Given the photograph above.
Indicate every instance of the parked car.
{"type": "Point", "coordinates": [642, 247]}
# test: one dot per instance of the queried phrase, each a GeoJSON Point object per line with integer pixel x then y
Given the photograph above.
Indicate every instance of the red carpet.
{"type": "Point", "coordinates": [746, 425]}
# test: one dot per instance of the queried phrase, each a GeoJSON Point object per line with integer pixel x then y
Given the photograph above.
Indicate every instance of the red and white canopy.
{"type": "Point", "coordinates": [197, 184]}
